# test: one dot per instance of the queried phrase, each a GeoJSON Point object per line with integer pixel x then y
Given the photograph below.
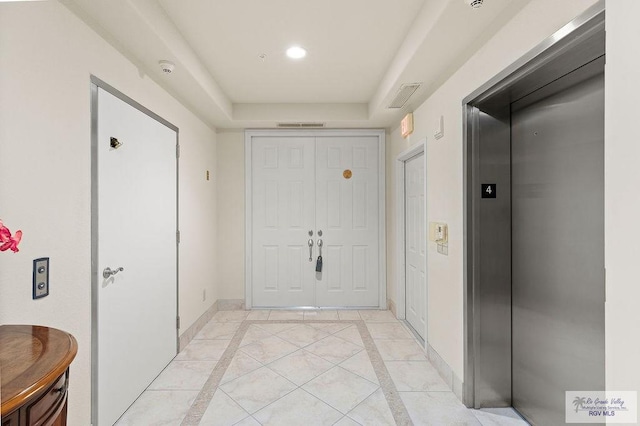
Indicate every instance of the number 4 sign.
{"type": "Point", "coordinates": [488, 190]}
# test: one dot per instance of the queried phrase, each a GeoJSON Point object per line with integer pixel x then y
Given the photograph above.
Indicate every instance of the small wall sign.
{"type": "Point", "coordinates": [488, 190]}
{"type": "Point", "coordinates": [406, 125]}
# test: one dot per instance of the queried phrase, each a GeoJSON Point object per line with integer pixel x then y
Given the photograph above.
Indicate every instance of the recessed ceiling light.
{"type": "Point", "coordinates": [296, 52]}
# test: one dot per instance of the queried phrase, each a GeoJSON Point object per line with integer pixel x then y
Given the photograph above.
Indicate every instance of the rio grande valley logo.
{"type": "Point", "coordinates": [579, 402]}
{"type": "Point", "coordinates": [598, 406]}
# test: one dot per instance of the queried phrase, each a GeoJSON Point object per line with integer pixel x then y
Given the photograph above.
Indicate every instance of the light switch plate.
{"type": "Point", "coordinates": [40, 277]}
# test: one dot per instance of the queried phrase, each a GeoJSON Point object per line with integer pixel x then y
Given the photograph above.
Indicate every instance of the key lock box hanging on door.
{"type": "Point", "coordinates": [319, 260]}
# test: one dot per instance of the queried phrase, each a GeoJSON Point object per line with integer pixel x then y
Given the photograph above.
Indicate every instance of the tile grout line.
{"type": "Point", "coordinates": [199, 406]}
{"type": "Point", "coordinates": [235, 402]}
{"type": "Point", "coordinates": [202, 401]}
{"type": "Point", "coordinates": [398, 409]}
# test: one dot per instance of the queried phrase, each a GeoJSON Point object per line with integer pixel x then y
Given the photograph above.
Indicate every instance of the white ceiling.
{"type": "Point", "coordinates": [359, 53]}
{"type": "Point", "coordinates": [348, 44]}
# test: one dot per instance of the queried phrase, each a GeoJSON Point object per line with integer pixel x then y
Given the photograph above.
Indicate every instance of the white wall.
{"type": "Point", "coordinates": [230, 177]}
{"type": "Point", "coordinates": [538, 20]}
{"type": "Point", "coordinates": [622, 203]}
{"type": "Point", "coordinates": [198, 210]}
{"type": "Point", "coordinates": [46, 58]}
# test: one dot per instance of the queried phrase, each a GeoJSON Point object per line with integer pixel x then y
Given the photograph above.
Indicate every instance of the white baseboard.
{"type": "Point", "coordinates": [445, 371]}
{"type": "Point", "coordinates": [391, 305]}
{"type": "Point", "coordinates": [190, 333]}
{"type": "Point", "coordinates": [230, 304]}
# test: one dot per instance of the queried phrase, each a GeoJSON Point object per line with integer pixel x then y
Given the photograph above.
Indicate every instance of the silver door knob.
{"type": "Point", "coordinates": [108, 272]}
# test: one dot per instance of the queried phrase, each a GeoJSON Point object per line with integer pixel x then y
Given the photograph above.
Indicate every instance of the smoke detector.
{"type": "Point", "coordinates": [167, 67]}
{"type": "Point", "coordinates": [476, 4]}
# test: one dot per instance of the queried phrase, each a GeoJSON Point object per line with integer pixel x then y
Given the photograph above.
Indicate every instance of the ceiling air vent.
{"type": "Point", "coordinates": [403, 95]}
{"type": "Point", "coordinates": [300, 125]}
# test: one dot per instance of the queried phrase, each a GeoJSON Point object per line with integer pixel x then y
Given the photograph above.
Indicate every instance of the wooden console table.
{"type": "Point", "coordinates": [34, 375]}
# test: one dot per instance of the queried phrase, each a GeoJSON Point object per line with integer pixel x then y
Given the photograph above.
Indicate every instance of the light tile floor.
{"type": "Point", "coordinates": [314, 369]}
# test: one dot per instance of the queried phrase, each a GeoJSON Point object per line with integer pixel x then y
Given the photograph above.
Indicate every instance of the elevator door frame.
{"type": "Point", "coordinates": [577, 43]}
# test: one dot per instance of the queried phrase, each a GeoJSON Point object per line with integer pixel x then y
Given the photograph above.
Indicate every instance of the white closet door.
{"type": "Point", "coordinates": [137, 308]}
{"type": "Point", "coordinates": [283, 202]}
{"type": "Point", "coordinates": [347, 212]}
{"type": "Point", "coordinates": [415, 244]}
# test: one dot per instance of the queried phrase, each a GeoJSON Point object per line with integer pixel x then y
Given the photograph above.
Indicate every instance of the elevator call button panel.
{"type": "Point", "coordinates": [40, 278]}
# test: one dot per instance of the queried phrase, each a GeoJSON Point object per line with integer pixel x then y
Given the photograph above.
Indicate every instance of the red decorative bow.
{"type": "Point", "coordinates": [7, 241]}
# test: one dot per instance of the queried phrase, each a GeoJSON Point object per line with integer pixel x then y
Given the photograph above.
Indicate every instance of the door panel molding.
{"type": "Point", "coordinates": [250, 134]}
{"type": "Point", "coordinates": [401, 159]}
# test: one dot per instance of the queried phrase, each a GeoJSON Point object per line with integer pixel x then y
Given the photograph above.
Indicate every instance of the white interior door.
{"type": "Point", "coordinates": [283, 200]}
{"type": "Point", "coordinates": [347, 214]}
{"type": "Point", "coordinates": [302, 185]}
{"type": "Point", "coordinates": [137, 307]}
{"type": "Point", "coordinates": [415, 244]}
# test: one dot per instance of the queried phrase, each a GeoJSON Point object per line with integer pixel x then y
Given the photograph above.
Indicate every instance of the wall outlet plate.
{"type": "Point", "coordinates": [40, 278]}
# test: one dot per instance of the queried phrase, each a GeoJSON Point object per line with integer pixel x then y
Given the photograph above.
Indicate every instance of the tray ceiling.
{"type": "Point", "coordinates": [232, 71]}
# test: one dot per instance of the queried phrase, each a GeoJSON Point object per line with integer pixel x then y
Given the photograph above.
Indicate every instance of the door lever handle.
{"type": "Point", "coordinates": [108, 272]}
{"type": "Point", "coordinates": [320, 246]}
{"type": "Point", "coordinates": [310, 243]}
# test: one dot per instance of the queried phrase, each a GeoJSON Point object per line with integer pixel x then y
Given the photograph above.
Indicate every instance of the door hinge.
{"type": "Point", "coordinates": [178, 237]}
{"type": "Point", "coordinates": [177, 151]}
{"type": "Point", "coordinates": [178, 322]}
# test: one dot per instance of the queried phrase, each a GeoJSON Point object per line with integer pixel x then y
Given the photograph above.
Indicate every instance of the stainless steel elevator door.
{"type": "Point", "coordinates": [557, 248]}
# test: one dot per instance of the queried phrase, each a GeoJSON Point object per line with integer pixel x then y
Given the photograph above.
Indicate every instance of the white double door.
{"type": "Point", "coordinates": [307, 192]}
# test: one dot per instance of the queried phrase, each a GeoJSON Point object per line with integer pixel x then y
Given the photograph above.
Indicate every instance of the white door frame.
{"type": "Point", "coordinates": [382, 255]}
{"type": "Point", "coordinates": [95, 84]}
{"type": "Point", "coordinates": [419, 148]}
